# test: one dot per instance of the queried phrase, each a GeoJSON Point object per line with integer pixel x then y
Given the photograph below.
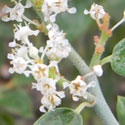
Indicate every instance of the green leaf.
{"type": "Point", "coordinates": [61, 116]}
{"type": "Point", "coordinates": [17, 102]}
{"type": "Point", "coordinates": [118, 58]}
{"type": "Point", "coordinates": [121, 109]}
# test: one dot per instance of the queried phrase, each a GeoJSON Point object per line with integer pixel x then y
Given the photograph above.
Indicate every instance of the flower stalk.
{"type": "Point", "coordinates": [98, 51]}
{"type": "Point", "coordinates": [105, 60]}
{"type": "Point", "coordinates": [100, 42]}
{"type": "Point", "coordinates": [30, 21]}
{"type": "Point", "coordinates": [83, 105]}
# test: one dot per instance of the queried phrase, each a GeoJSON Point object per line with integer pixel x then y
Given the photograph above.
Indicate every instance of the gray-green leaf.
{"type": "Point", "coordinates": [61, 116]}
{"type": "Point", "coordinates": [121, 109]}
{"type": "Point", "coordinates": [118, 58]}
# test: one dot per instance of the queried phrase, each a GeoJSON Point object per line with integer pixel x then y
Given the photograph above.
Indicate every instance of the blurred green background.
{"type": "Point", "coordinates": [19, 104]}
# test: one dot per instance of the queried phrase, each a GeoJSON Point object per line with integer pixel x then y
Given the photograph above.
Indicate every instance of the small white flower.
{"type": "Point", "coordinates": [22, 33]}
{"type": "Point", "coordinates": [51, 101]}
{"type": "Point", "coordinates": [16, 12]}
{"type": "Point", "coordinates": [78, 88]}
{"type": "Point", "coordinates": [19, 65]}
{"type": "Point", "coordinates": [97, 12]}
{"type": "Point", "coordinates": [19, 59]}
{"type": "Point", "coordinates": [98, 70]}
{"type": "Point", "coordinates": [39, 71]}
{"type": "Point", "coordinates": [46, 86]}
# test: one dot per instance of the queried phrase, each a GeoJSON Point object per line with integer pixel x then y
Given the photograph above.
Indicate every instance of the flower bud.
{"type": "Point", "coordinates": [98, 70]}
{"type": "Point", "coordinates": [33, 52]}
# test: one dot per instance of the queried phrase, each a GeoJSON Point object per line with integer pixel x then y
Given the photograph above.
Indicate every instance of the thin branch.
{"type": "Point", "coordinates": [30, 21]}
{"type": "Point", "coordinates": [118, 24]}
{"type": "Point", "coordinates": [83, 105]}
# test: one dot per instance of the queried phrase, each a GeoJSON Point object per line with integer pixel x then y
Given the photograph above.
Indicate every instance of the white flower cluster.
{"type": "Point", "coordinates": [51, 98]}
{"type": "Point", "coordinates": [28, 60]}
{"type": "Point", "coordinates": [58, 45]}
{"type": "Point", "coordinates": [22, 54]}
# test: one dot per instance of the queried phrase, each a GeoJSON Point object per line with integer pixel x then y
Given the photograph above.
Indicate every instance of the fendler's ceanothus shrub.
{"type": "Point", "coordinates": [27, 59]}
